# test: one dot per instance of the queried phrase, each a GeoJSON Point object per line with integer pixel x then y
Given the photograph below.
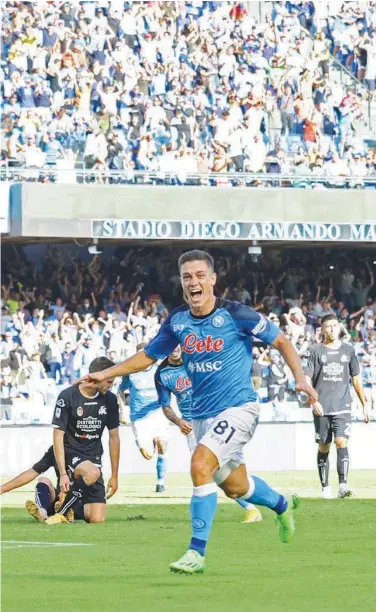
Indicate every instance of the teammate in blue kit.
{"type": "Point", "coordinates": [215, 338]}
{"type": "Point", "coordinates": [150, 428]}
{"type": "Point", "coordinates": [171, 377]}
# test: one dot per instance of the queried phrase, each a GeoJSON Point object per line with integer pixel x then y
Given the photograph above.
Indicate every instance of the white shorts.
{"type": "Point", "coordinates": [153, 425]}
{"type": "Point", "coordinates": [191, 441]}
{"type": "Point", "coordinates": [227, 433]}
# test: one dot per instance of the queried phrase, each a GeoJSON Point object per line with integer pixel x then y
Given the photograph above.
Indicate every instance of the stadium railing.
{"type": "Point", "coordinates": [155, 177]}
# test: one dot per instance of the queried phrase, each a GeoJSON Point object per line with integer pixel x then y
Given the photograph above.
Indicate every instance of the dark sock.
{"type": "Point", "coordinates": [74, 495]}
{"type": "Point", "coordinates": [323, 466]}
{"type": "Point", "coordinates": [42, 495]}
{"type": "Point", "coordinates": [342, 464]}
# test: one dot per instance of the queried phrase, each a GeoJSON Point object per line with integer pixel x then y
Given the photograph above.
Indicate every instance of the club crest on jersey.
{"type": "Point", "coordinates": [80, 411]}
{"type": "Point", "coordinates": [182, 383]}
{"type": "Point", "coordinates": [218, 321]}
{"type": "Point", "coordinates": [192, 344]}
{"type": "Point", "coordinates": [344, 359]}
{"type": "Point", "coordinates": [324, 359]}
{"type": "Point", "coordinates": [102, 410]}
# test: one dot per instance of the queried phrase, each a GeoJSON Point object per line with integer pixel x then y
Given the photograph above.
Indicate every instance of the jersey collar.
{"type": "Point", "coordinates": [86, 396]}
{"type": "Point", "coordinates": [198, 317]}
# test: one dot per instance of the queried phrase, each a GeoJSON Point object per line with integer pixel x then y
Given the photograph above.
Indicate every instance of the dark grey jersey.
{"type": "Point", "coordinates": [330, 370]}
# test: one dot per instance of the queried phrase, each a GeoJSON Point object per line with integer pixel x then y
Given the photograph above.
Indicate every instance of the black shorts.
{"type": "Point", "coordinates": [276, 391]}
{"type": "Point", "coordinates": [95, 494]}
{"type": "Point", "coordinates": [73, 458]}
{"type": "Point", "coordinates": [337, 425]}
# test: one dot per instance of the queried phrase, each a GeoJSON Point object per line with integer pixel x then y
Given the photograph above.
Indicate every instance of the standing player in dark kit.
{"type": "Point", "coordinates": [329, 367]}
{"type": "Point", "coordinates": [81, 414]}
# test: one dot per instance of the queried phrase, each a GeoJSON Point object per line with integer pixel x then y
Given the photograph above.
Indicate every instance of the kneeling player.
{"type": "Point", "coordinates": [81, 414]}
{"type": "Point", "coordinates": [171, 377]}
{"type": "Point", "coordinates": [149, 425]}
{"type": "Point", "coordinates": [46, 495]}
{"type": "Point", "coordinates": [330, 366]}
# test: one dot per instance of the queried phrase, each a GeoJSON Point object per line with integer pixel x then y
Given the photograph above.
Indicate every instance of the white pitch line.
{"type": "Point", "coordinates": [23, 544]}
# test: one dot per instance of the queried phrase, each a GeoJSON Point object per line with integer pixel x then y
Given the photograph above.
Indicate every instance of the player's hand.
{"type": "Point", "coordinates": [123, 418]}
{"type": "Point", "coordinates": [112, 487]}
{"type": "Point", "coordinates": [64, 483]}
{"type": "Point", "coordinates": [366, 414]}
{"type": "Point", "coordinates": [185, 427]}
{"type": "Point", "coordinates": [303, 386]}
{"type": "Point", "coordinates": [91, 379]}
{"type": "Point", "coordinates": [317, 409]}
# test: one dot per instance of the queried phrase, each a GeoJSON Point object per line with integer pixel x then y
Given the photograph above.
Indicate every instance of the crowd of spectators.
{"type": "Point", "coordinates": [186, 87]}
{"type": "Point", "coordinates": [52, 330]}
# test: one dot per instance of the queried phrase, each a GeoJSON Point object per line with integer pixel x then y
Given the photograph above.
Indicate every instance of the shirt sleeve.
{"type": "Point", "coordinates": [113, 420]}
{"type": "Point", "coordinates": [44, 464]}
{"type": "Point", "coordinates": [164, 394]}
{"type": "Point", "coordinates": [354, 364]}
{"type": "Point", "coordinates": [251, 323]}
{"type": "Point", "coordinates": [164, 342]}
{"type": "Point", "coordinates": [61, 414]}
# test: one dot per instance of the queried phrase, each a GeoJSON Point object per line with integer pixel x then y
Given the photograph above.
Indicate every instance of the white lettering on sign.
{"type": "Point", "coordinates": [233, 230]}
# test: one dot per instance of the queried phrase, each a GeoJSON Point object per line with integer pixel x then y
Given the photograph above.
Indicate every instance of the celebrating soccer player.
{"type": "Point", "coordinates": [81, 414]}
{"type": "Point", "coordinates": [330, 366]}
{"type": "Point", "coordinates": [148, 423]}
{"type": "Point", "coordinates": [217, 352]}
{"type": "Point", "coordinates": [171, 377]}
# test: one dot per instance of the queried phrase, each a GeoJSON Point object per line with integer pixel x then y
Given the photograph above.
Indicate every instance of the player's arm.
{"type": "Point", "coordinates": [113, 446]}
{"type": "Point", "coordinates": [184, 426]}
{"type": "Point", "coordinates": [292, 359]}
{"type": "Point", "coordinates": [309, 372]}
{"type": "Point", "coordinates": [114, 450]}
{"type": "Point", "coordinates": [24, 478]}
{"type": "Point", "coordinates": [251, 323]}
{"type": "Point", "coordinates": [357, 382]}
{"type": "Point", "coordinates": [138, 362]}
{"type": "Point", "coordinates": [19, 481]}
{"type": "Point", "coordinates": [59, 423]}
{"type": "Point", "coordinates": [158, 348]}
{"type": "Point", "coordinates": [59, 452]}
{"type": "Point", "coordinates": [358, 386]}
{"type": "Point", "coordinates": [164, 399]}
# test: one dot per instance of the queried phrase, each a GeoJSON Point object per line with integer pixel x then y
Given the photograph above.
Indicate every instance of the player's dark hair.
{"type": "Point", "coordinates": [328, 317]}
{"type": "Point", "coordinates": [196, 255]}
{"type": "Point", "coordinates": [99, 364]}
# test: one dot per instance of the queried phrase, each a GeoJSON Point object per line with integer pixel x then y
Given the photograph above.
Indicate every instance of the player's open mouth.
{"type": "Point", "coordinates": [195, 293]}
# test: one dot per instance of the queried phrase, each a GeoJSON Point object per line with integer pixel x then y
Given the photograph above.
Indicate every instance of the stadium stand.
{"type": "Point", "coordinates": [52, 332]}
{"type": "Point", "coordinates": [179, 90]}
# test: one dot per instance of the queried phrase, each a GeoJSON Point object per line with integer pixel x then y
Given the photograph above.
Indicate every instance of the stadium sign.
{"type": "Point", "coordinates": [140, 229]}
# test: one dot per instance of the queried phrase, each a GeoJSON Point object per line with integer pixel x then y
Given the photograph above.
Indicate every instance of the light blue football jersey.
{"type": "Point", "coordinates": [216, 352]}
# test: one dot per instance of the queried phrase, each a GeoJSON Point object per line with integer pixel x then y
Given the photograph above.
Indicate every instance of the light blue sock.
{"type": "Point", "coordinates": [161, 469]}
{"type": "Point", "coordinates": [203, 507]}
{"type": "Point", "coordinates": [244, 504]}
{"type": "Point", "coordinates": [261, 494]}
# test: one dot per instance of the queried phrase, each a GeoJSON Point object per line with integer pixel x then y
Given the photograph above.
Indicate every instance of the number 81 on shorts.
{"type": "Point", "coordinates": [221, 428]}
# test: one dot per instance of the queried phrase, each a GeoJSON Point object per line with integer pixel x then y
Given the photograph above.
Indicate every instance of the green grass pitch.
{"type": "Point", "coordinates": [123, 565]}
